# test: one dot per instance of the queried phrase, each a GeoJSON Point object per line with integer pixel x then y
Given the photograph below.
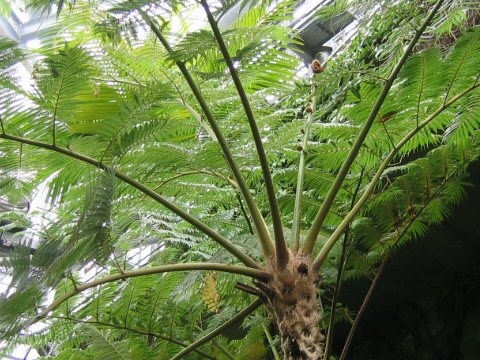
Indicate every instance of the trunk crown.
{"type": "Point", "coordinates": [292, 299]}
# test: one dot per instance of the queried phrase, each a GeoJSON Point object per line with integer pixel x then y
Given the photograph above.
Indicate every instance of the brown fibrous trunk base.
{"type": "Point", "coordinates": [291, 297]}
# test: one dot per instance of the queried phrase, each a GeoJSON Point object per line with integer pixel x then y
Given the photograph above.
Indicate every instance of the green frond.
{"type": "Point", "coordinates": [105, 348]}
{"type": "Point", "coordinates": [417, 199]}
{"type": "Point", "coordinates": [462, 63]}
{"type": "Point", "coordinates": [254, 347]}
{"type": "Point", "coordinates": [453, 19]}
{"type": "Point", "coordinates": [9, 55]}
{"type": "Point", "coordinates": [60, 79]}
{"type": "Point", "coordinates": [195, 45]}
{"type": "Point", "coordinates": [465, 122]}
{"type": "Point", "coordinates": [338, 7]}
{"type": "Point", "coordinates": [420, 85]}
{"type": "Point", "coordinates": [104, 91]}
{"type": "Point", "coordinates": [47, 5]}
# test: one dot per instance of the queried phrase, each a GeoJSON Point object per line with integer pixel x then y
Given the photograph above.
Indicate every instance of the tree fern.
{"type": "Point", "coordinates": [139, 125]}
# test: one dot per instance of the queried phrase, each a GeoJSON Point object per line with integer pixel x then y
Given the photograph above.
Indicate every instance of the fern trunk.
{"type": "Point", "coordinates": [292, 299]}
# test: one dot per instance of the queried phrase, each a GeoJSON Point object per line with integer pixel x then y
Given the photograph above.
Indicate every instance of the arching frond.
{"type": "Point", "coordinates": [138, 142]}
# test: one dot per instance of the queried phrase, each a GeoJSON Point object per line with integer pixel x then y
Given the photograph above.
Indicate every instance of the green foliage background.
{"type": "Point", "coordinates": [103, 86]}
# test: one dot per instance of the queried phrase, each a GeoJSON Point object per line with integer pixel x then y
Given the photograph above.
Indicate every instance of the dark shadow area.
{"type": "Point", "coordinates": [427, 302]}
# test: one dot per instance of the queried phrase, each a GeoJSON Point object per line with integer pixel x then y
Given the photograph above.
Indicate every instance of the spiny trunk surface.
{"type": "Point", "coordinates": [292, 299]}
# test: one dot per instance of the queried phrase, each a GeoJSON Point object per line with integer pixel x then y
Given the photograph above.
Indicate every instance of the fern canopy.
{"type": "Point", "coordinates": [131, 172]}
